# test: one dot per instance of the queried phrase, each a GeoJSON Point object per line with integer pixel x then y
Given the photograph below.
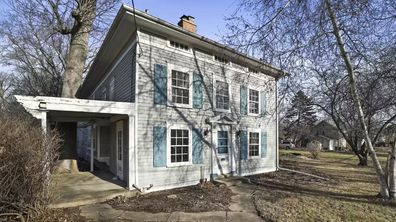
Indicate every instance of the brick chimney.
{"type": "Point", "coordinates": [188, 23]}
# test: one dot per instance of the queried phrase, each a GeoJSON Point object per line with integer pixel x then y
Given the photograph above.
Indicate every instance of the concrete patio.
{"type": "Point", "coordinates": [76, 189]}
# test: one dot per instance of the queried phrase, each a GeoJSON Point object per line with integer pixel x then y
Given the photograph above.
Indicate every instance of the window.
{"type": "Point", "coordinates": [252, 70]}
{"type": "Point", "coordinates": [222, 96]}
{"type": "Point", "coordinates": [221, 59]}
{"type": "Point", "coordinates": [222, 142]}
{"type": "Point", "coordinates": [179, 45]}
{"type": "Point", "coordinates": [254, 144]}
{"type": "Point", "coordinates": [254, 101]}
{"type": "Point", "coordinates": [104, 93]}
{"type": "Point", "coordinates": [180, 87]}
{"type": "Point", "coordinates": [111, 88]}
{"type": "Point", "coordinates": [179, 146]}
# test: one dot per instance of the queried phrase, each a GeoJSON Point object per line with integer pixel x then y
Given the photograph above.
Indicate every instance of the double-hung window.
{"type": "Point", "coordinates": [222, 142]}
{"type": "Point", "coordinates": [254, 101]}
{"type": "Point", "coordinates": [222, 96]}
{"type": "Point", "coordinates": [179, 146]}
{"type": "Point", "coordinates": [180, 87]}
{"type": "Point", "coordinates": [254, 144]}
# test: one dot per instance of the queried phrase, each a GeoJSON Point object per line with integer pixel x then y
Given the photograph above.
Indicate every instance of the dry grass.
{"type": "Point", "coordinates": [349, 194]}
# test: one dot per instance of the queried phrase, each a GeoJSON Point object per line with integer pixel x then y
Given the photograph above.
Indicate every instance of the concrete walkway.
{"type": "Point", "coordinates": [242, 209]}
{"type": "Point", "coordinates": [76, 189]}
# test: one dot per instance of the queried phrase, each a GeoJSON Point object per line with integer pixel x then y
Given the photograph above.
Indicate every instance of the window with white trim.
{"type": "Point", "coordinates": [254, 101]}
{"type": "Point", "coordinates": [111, 88]}
{"type": "Point", "coordinates": [220, 59]}
{"type": "Point", "coordinates": [254, 144]}
{"type": "Point", "coordinates": [179, 146]}
{"type": "Point", "coordinates": [222, 95]}
{"type": "Point", "coordinates": [179, 45]}
{"type": "Point", "coordinates": [180, 87]}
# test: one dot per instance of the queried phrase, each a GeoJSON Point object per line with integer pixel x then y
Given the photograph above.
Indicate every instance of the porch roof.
{"type": "Point", "coordinates": [74, 109]}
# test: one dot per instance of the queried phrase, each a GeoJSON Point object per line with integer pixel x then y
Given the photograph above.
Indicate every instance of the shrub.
{"type": "Point", "coordinates": [27, 159]}
{"type": "Point", "coordinates": [314, 148]}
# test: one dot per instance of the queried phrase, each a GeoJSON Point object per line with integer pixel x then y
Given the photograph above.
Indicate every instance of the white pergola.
{"type": "Point", "coordinates": [83, 110]}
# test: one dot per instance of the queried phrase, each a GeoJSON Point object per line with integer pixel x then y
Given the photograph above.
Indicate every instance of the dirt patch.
{"type": "Point", "coordinates": [198, 198]}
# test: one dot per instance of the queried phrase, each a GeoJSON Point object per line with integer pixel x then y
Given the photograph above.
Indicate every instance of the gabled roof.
{"type": "Point", "coordinates": [123, 29]}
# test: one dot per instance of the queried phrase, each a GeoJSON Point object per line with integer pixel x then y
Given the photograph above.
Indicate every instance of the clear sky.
{"type": "Point", "coordinates": [209, 14]}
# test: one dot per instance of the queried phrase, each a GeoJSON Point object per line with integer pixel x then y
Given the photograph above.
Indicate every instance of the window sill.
{"type": "Point", "coordinates": [254, 114]}
{"type": "Point", "coordinates": [179, 105]}
{"type": "Point", "coordinates": [171, 165]}
{"type": "Point", "coordinates": [254, 157]}
{"type": "Point", "coordinates": [222, 110]}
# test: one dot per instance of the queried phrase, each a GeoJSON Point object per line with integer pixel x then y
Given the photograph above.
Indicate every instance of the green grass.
{"type": "Point", "coordinates": [349, 194]}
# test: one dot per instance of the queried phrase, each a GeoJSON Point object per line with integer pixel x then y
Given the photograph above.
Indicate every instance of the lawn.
{"type": "Point", "coordinates": [347, 194]}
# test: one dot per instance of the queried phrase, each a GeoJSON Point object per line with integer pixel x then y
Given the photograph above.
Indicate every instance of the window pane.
{"type": "Point", "coordinates": [179, 145]}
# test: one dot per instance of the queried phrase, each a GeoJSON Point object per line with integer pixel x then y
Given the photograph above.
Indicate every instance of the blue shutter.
{"type": "Point", "coordinates": [244, 100]}
{"type": "Point", "coordinates": [263, 144]}
{"type": "Point", "coordinates": [160, 84]}
{"type": "Point", "coordinates": [197, 146]}
{"type": "Point", "coordinates": [244, 144]}
{"type": "Point", "coordinates": [159, 148]}
{"type": "Point", "coordinates": [263, 103]}
{"type": "Point", "coordinates": [197, 91]}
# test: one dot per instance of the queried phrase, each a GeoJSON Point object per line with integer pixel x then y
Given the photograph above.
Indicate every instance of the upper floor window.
{"type": "Point", "coordinates": [220, 59]}
{"type": "Point", "coordinates": [252, 70]}
{"type": "Point", "coordinates": [222, 96]}
{"type": "Point", "coordinates": [180, 87]}
{"type": "Point", "coordinates": [179, 146]}
{"type": "Point", "coordinates": [111, 88]}
{"type": "Point", "coordinates": [254, 144]}
{"type": "Point", "coordinates": [179, 45]}
{"type": "Point", "coordinates": [254, 101]}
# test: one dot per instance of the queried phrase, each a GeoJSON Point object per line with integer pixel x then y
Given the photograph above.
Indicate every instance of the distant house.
{"type": "Point", "coordinates": [167, 107]}
{"type": "Point", "coordinates": [327, 133]}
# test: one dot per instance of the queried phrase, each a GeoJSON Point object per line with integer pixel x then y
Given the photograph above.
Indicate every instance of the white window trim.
{"type": "Point", "coordinates": [190, 76]}
{"type": "Point", "coordinates": [189, 51]}
{"type": "Point", "coordinates": [259, 100]}
{"type": "Point", "coordinates": [248, 147]}
{"type": "Point", "coordinates": [215, 95]}
{"type": "Point", "coordinates": [168, 150]}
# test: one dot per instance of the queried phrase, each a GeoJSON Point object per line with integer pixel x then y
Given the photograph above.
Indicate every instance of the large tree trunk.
{"type": "Point", "coordinates": [352, 80]}
{"type": "Point", "coordinates": [77, 56]}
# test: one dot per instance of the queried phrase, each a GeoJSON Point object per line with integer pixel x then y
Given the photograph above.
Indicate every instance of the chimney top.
{"type": "Point", "coordinates": [188, 23]}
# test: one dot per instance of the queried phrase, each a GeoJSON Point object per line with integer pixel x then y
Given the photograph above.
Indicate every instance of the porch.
{"type": "Point", "coordinates": [65, 114]}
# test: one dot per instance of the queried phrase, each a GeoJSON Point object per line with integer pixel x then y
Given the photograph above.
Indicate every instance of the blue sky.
{"type": "Point", "coordinates": [209, 14]}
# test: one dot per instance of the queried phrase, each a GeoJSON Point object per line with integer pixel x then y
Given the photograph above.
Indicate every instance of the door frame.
{"type": "Point", "coordinates": [119, 142]}
{"type": "Point", "coordinates": [215, 130]}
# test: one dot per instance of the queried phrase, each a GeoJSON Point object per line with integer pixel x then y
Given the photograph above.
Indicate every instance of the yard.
{"type": "Point", "coordinates": [347, 195]}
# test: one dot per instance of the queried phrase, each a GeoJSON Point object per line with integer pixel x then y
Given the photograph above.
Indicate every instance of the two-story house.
{"type": "Point", "coordinates": [169, 107]}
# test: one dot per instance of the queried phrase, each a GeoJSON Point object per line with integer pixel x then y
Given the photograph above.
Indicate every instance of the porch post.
{"type": "Point", "coordinates": [132, 154]}
{"type": "Point", "coordinates": [233, 151]}
{"type": "Point", "coordinates": [44, 121]}
{"type": "Point", "coordinates": [93, 128]}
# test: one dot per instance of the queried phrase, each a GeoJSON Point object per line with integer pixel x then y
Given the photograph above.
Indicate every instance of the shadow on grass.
{"type": "Point", "coordinates": [356, 198]}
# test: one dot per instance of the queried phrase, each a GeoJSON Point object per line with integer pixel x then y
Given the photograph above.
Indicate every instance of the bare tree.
{"type": "Point", "coordinates": [344, 36]}
{"type": "Point", "coordinates": [50, 46]}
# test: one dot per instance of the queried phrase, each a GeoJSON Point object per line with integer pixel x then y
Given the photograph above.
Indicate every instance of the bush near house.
{"type": "Point", "coordinates": [27, 157]}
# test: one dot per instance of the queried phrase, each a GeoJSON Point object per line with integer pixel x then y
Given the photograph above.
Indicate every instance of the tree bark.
{"type": "Point", "coordinates": [78, 52]}
{"type": "Point", "coordinates": [384, 191]}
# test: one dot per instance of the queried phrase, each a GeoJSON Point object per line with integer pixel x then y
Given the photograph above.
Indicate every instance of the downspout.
{"type": "Point", "coordinates": [135, 141]}
{"type": "Point", "coordinates": [277, 126]}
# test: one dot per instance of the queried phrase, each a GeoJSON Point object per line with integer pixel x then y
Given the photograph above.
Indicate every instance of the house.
{"type": "Point", "coordinates": [328, 135]}
{"type": "Point", "coordinates": [167, 107]}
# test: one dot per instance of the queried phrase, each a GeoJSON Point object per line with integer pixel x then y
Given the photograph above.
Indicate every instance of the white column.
{"type": "Point", "coordinates": [44, 121]}
{"type": "Point", "coordinates": [93, 128]}
{"type": "Point", "coordinates": [233, 151]}
{"type": "Point", "coordinates": [132, 154]}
